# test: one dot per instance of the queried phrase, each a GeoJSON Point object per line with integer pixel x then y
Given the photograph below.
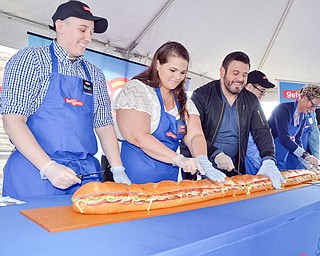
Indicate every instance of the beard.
{"type": "Point", "coordinates": [228, 85]}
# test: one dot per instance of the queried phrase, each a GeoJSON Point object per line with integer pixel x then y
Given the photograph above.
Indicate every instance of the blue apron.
{"type": "Point", "coordinates": [284, 161]}
{"type": "Point", "coordinates": [63, 127]}
{"type": "Point", "coordinates": [306, 130]}
{"type": "Point", "coordinates": [142, 168]}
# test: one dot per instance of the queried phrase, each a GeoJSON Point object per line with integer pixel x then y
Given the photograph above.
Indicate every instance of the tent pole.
{"type": "Point", "coordinates": [275, 34]}
{"type": "Point", "coordinates": [135, 42]}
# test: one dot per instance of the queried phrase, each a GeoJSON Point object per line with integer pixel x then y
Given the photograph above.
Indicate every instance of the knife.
{"type": "Point", "coordinates": [80, 176]}
{"type": "Point", "coordinates": [236, 171]}
{"type": "Point", "coordinates": [232, 170]}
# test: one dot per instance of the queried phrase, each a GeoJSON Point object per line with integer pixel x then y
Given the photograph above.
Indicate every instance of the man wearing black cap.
{"type": "Point", "coordinates": [53, 101]}
{"type": "Point", "coordinates": [258, 84]}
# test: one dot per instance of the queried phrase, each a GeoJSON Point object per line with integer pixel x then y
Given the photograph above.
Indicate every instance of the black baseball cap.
{"type": "Point", "coordinates": [257, 77]}
{"type": "Point", "coordinates": [79, 10]}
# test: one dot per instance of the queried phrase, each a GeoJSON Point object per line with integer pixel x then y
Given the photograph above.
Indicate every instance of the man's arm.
{"type": "Point", "coordinates": [283, 118]}
{"type": "Point", "coordinates": [261, 132]}
{"type": "Point", "coordinates": [22, 138]}
{"type": "Point", "coordinates": [200, 98]}
{"type": "Point", "coordinates": [109, 143]}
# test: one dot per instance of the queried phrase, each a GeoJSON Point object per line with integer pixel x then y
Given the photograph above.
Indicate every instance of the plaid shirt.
{"type": "Point", "coordinates": [27, 76]}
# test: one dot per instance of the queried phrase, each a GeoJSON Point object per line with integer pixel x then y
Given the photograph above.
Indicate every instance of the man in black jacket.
{"type": "Point", "coordinates": [228, 113]}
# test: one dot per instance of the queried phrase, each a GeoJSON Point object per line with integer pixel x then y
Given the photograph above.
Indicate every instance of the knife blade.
{"type": "Point", "coordinates": [236, 171]}
{"type": "Point", "coordinates": [232, 170]}
{"type": "Point", "coordinates": [80, 176]}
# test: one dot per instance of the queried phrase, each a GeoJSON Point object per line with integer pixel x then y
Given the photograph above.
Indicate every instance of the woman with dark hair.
{"type": "Point", "coordinates": [153, 115]}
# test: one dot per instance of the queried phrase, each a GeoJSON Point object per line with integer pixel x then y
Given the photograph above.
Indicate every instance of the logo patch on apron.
{"type": "Point", "coordinates": [87, 87]}
{"type": "Point", "coordinates": [171, 134]}
{"type": "Point", "coordinates": [74, 102]}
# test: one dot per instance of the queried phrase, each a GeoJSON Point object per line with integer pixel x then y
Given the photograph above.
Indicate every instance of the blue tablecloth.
{"type": "Point", "coordinates": [286, 223]}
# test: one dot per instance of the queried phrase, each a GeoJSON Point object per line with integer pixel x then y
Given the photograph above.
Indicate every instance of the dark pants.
{"type": "Point", "coordinates": [105, 168]}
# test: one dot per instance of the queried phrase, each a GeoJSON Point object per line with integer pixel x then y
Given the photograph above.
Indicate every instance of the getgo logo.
{"type": "Point", "coordinates": [291, 94]}
{"type": "Point", "coordinates": [74, 102]}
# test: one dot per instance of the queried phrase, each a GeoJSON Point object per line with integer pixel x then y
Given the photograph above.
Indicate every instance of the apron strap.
{"type": "Point", "coordinates": [53, 59]}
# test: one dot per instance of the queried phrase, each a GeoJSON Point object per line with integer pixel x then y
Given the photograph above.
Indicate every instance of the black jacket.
{"type": "Point", "coordinates": [210, 105]}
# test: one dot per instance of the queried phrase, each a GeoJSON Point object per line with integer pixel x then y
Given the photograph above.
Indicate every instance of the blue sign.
{"type": "Point", "coordinates": [289, 91]}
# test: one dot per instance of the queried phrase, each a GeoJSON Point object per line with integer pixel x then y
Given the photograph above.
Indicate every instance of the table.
{"type": "Point", "coordinates": [286, 223]}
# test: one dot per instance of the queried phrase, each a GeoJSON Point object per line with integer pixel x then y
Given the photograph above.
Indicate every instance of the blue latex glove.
{"type": "Point", "coordinates": [269, 169]}
{"type": "Point", "coordinates": [119, 175]}
{"type": "Point", "coordinates": [209, 170]}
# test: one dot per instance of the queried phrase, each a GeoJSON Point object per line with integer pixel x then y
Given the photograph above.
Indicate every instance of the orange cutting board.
{"type": "Point", "coordinates": [63, 218]}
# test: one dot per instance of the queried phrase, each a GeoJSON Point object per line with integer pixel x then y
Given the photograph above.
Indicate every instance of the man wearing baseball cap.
{"type": "Point", "coordinates": [79, 10]}
{"type": "Point", "coordinates": [53, 101]}
{"type": "Point", "coordinates": [258, 84]}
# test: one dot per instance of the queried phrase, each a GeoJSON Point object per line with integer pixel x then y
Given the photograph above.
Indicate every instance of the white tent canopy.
{"type": "Point", "coordinates": [280, 36]}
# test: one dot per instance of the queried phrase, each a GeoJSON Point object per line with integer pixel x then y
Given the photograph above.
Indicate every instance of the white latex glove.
{"type": "Point", "coordinates": [211, 172]}
{"type": "Point", "coordinates": [305, 163]}
{"type": "Point", "coordinates": [188, 164]}
{"type": "Point", "coordinates": [119, 175]}
{"type": "Point", "coordinates": [224, 162]}
{"type": "Point", "coordinates": [313, 161]}
{"type": "Point", "coordinates": [59, 175]}
{"type": "Point", "coordinates": [269, 169]}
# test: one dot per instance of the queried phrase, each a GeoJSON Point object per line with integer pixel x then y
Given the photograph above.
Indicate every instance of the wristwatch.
{"type": "Point", "coordinates": [305, 155]}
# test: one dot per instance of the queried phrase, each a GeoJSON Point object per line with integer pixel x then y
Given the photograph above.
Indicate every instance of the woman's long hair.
{"type": "Point", "coordinates": [151, 78]}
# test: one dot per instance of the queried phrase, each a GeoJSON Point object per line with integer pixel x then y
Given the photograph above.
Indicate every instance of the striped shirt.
{"type": "Point", "coordinates": [26, 81]}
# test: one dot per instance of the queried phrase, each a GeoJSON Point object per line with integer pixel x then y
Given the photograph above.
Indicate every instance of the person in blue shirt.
{"type": "Point", "coordinates": [309, 139]}
{"type": "Point", "coordinates": [228, 113]}
{"type": "Point", "coordinates": [52, 102]}
{"type": "Point", "coordinates": [287, 122]}
{"type": "Point", "coordinates": [258, 84]}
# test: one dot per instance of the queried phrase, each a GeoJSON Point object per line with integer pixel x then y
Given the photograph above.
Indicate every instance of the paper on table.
{"type": "Point", "coordinates": [7, 201]}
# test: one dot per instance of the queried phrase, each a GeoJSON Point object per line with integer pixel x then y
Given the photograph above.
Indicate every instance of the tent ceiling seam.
{"type": "Point", "coordinates": [275, 34]}
{"type": "Point", "coordinates": [136, 41]}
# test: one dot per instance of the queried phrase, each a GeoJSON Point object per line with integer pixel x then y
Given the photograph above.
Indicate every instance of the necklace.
{"type": "Point", "coordinates": [165, 99]}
